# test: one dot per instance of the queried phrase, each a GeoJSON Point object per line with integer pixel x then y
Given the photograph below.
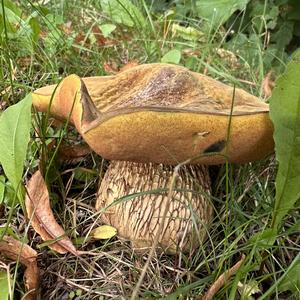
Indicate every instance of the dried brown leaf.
{"type": "Point", "coordinates": [191, 52]}
{"type": "Point", "coordinates": [67, 28]}
{"type": "Point", "coordinates": [221, 280]}
{"type": "Point", "coordinates": [101, 40]}
{"type": "Point", "coordinates": [16, 251]}
{"type": "Point", "coordinates": [111, 67]}
{"type": "Point", "coordinates": [80, 38]}
{"type": "Point", "coordinates": [268, 84]}
{"type": "Point", "coordinates": [129, 65]}
{"type": "Point", "coordinates": [42, 219]}
{"type": "Point", "coordinates": [73, 153]}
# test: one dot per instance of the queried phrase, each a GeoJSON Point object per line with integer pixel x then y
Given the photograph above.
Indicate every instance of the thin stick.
{"type": "Point", "coordinates": [216, 286]}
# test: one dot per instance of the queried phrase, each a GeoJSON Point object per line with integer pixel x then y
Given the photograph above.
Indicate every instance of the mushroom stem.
{"type": "Point", "coordinates": [133, 197]}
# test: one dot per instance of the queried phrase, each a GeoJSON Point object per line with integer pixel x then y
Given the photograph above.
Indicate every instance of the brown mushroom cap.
{"type": "Point", "coordinates": [163, 114]}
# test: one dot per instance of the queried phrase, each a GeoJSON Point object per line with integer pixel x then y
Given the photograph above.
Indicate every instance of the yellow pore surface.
{"type": "Point", "coordinates": [172, 137]}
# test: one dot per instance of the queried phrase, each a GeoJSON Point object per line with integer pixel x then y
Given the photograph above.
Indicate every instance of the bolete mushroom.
{"type": "Point", "coordinates": [148, 119]}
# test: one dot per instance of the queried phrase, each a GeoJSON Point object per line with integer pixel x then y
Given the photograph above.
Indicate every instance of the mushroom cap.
{"type": "Point", "coordinates": [163, 114]}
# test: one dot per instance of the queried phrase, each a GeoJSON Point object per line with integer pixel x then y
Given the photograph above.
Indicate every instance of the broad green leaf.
{"type": "Point", "coordinates": [123, 12]}
{"type": "Point", "coordinates": [217, 12]}
{"type": "Point", "coordinates": [173, 57]}
{"type": "Point", "coordinates": [19, 29]}
{"type": "Point", "coordinates": [15, 124]}
{"type": "Point", "coordinates": [104, 232]}
{"type": "Point", "coordinates": [107, 29]}
{"type": "Point", "coordinates": [285, 114]}
{"type": "Point", "coordinates": [12, 6]}
{"type": "Point", "coordinates": [4, 285]}
{"type": "Point", "coordinates": [291, 279]}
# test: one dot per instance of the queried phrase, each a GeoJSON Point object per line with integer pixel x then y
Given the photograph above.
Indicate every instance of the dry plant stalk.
{"type": "Point", "coordinates": [217, 285]}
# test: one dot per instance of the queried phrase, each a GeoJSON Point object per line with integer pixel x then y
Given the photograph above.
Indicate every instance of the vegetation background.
{"type": "Point", "coordinates": [246, 43]}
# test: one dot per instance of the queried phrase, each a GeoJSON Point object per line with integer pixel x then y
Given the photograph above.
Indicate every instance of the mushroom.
{"type": "Point", "coordinates": [148, 119]}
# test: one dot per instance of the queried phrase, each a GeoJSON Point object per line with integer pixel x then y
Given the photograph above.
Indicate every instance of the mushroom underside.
{"type": "Point", "coordinates": [134, 196]}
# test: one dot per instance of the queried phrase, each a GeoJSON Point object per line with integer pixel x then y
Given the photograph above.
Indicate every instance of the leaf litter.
{"type": "Point", "coordinates": [42, 219]}
{"type": "Point", "coordinates": [17, 251]}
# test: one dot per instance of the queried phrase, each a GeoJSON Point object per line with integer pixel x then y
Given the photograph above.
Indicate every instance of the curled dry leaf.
{"type": "Point", "coordinates": [228, 57]}
{"type": "Point", "coordinates": [42, 218]}
{"type": "Point", "coordinates": [100, 39]}
{"type": "Point", "coordinates": [111, 67]}
{"type": "Point", "coordinates": [221, 280]}
{"type": "Point", "coordinates": [129, 65]}
{"type": "Point", "coordinates": [15, 250]}
{"type": "Point", "coordinates": [268, 84]}
{"type": "Point", "coordinates": [72, 153]}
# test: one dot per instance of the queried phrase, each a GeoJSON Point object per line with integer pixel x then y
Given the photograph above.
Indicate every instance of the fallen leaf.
{"type": "Point", "coordinates": [5, 91]}
{"type": "Point", "coordinates": [268, 84]}
{"type": "Point", "coordinates": [100, 39]}
{"type": "Point", "coordinates": [111, 68]}
{"type": "Point", "coordinates": [191, 52]}
{"type": "Point", "coordinates": [104, 232]}
{"type": "Point", "coordinates": [80, 38]}
{"type": "Point", "coordinates": [221, 280]}
{"type": "Point", "coordinates": [42, 219]}
{"type": "Point", "coordinates": [73, 153]}
{"type": "Point", "coordinates": [129, 65]}
{"type": "Point", "coordinates": [248, 289]}
{"type": "Point", "coordinates": [229, 57]}
{"type": "Point", "coordinates": [67, 28]}
{"type": "Point", "coordinates": [17, 251]}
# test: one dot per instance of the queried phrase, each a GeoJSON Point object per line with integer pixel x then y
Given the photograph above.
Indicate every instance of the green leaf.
{"type": "Point", "coordinates": [285, 115]}
{"type": "Point", "coordinates": [291, 279]}
{"type": "Point", "coordinates": [107, 29]}
{"type": "Point", "coordinates": [123, 12]}
{"type": "Point", "coordinates": [4, 285]}
{"type": "Point", "coordinates": [12, 6]}
{"type": "Point", "coordinates": [173, 57]}
{"type": "Point", "coordinates": [217, 12]}
{"type": "Point", "coordinates": [283, 36]}
{"type": "Point", "coordinates": [188, 33]}
{"type": "Point", "coordinates": [263, 239]}
{"type": "Point", "coordinates": [35, 27]}
{"type": "Point", "coordinates": [15, 124]}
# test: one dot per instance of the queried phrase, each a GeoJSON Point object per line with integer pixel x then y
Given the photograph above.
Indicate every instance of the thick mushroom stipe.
{"type": "Point", "coordinates": [133, 197]}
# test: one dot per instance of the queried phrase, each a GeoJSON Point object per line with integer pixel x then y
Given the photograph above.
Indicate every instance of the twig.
{"type": "Point", "coordinates": [216, 286]}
